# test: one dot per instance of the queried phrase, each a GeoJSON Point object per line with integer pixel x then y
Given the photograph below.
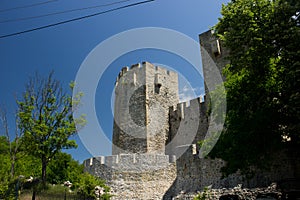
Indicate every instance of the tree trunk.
{"type": "Point", "coordinates": [12, 167]}
{"type": "Point", "coordinates": [33, 194]}
{"type": "Point", "coordinates": [44, 168]}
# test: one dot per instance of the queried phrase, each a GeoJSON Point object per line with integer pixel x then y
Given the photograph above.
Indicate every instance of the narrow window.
{"type": "Point", "coordinates": [157, 88]}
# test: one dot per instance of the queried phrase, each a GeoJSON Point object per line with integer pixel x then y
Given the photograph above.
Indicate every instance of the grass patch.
{"type": "Point", "coordinates": [53, 192]}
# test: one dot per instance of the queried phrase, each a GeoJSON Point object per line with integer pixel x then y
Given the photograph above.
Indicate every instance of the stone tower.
{"type": "Point", "coordinates": [143, 95]}
{"type": "Point", "coordinates": [213, 54]}
{"type": "Point", "coordinates": [147, 116]}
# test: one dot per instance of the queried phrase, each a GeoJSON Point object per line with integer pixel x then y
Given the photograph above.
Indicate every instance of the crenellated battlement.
{"type": "Point", "coordinates": [126, 69]}
{"type": "Point", "coordinates": [163, 71]}
{"type": "Point", "coordinates": [156, 69]}
{"type": "Point", "coordinates": [188, 106]}
{"type": "Point", "coordinates": [130, 162]}
{"type": "Point", "coordinates": [188, 124]}
{"type": "Point", "coordinates": [143, 91]}
{"type": "Point", "coordinates": [155, 151]}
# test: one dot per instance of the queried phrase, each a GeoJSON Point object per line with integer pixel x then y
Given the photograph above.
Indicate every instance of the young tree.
{"type": "Point", "coordinates": [14, 146]}
{"type": "Point", "coordinates": [4, 166]}
{"type": "Point", "coordinates": [45, 119]}
{"type": "Point", "coordinates": [262, 81]}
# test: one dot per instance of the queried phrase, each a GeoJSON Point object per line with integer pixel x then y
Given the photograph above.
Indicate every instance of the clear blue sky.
{"type": "Point", "coordinates": [63, 48]}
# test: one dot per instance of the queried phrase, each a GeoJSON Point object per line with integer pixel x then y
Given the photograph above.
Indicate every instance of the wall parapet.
{"type": "Point", "coordinates": [134, 67]}
{"type": "Point", "coordinates": [188, 106]}
{"type": "Point", "coordinates": [131, 161]}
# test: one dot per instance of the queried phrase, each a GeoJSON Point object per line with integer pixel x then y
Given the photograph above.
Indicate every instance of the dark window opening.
{"type": "Point", "coordinates": [157, 88]}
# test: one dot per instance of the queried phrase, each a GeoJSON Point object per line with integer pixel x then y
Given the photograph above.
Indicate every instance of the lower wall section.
{"type": "Point", "coordinates": [238, 192]}
{"type": "Point", "coordinates": [194, 174]}
{"type": "Point", "coordinates": [135, 176]}
{"type": "Point", "coordinates": [155, 176]}
{"type": "Point", "coordinates": [145, 185]}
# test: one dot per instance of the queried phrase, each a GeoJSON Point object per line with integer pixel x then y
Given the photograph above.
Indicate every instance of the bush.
{"type": "Point", "coordinates": [86, 187]}
{"type": "Point", "coordinates": [203, 195]}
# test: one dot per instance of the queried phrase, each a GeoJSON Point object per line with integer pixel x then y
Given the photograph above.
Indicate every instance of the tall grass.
{"type": "Point", "coordinates": [55, 192]}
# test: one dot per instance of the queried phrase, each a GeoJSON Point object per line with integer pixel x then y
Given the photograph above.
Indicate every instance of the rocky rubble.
{"type": "Point", "coordinates": [237, 192]}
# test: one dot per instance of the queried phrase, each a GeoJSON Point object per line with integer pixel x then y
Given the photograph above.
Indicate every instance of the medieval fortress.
{"type": "Point", "coordinates": [155, 151]}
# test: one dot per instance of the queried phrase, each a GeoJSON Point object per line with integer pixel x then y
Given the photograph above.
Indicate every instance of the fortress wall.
{"type": "Point", "coordinates": [214, 59]}
{"type": "Point", "coordinates": [193, 173]}
{"type": "Point", "coordinates": [134, 176]}
{"type": "Point", "coordinates": [162, 92]}
{"type": "Point", "coordinates": [142, 185]}
{"type": "Point", "coordinates": [188, 124]}
{"type": "Point", "coordinates": [130, 162]}
{"type": "Point", "coordinates": [148, 116]}
{"type": "Point", "coordinates": [191, 120]}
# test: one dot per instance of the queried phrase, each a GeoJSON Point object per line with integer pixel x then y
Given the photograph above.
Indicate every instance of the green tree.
{"type": "Point", "coordinates": [4, 166]}
{"type": "Point", "coordinates": [262, 81]}
{"type": "Point", "coordinates": [86, 187]}
{"type": "Point", "coordinates": [45, 119]}
{"type": "Point", "coordinates": [25, 165]}
{"type": "Point", "coordinates": [13, 146]}
{"type": "Point", "coordinates": [63, 168]}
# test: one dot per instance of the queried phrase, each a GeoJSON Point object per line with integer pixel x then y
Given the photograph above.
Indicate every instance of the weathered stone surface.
{"type": "Point", "coordinates": [134, 176]}
{"type": "Point", "coordinates": [213, 54]}
{"type": "Point", "coordinates": [155, 152]}
{"type": "Point", "coordinates": [237, 192]}
{"type": "Point", "coordinates": [144, 94]}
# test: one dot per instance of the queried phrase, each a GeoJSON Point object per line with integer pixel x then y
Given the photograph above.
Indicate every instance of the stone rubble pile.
{"type": "Point", "coordinates": [236, 192]}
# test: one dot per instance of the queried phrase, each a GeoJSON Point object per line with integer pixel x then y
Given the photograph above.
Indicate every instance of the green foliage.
{"type": "Point", "coordinates": [45, 119]}
{"type": "Point", "coordinates": [262, 81]}
{"type": "Point", "coordinates": [217, 112]}
{"type": "Point", "coordinates": [45, 122]}
{"type": "Point", "coordinates": [3, 189]}
{"type": "Point", "coordinates": [4, 147]}
{"type": "Point", "coordinates": [25, 165]}
{"type": "Point", "coordinates": [4, 157]}
{"type": "Point", "coordinates": [87, 184]}
{"type": "Point", "coordinates": [63, 168]}
{"type": "Point", "coordinates": [57, 170]}
{"type": "Point", "coordinates": [9, 189]}
{"type": "Point", "coordinates": [51, 192]}
{"type": "Point", "coordinates": [203, 195]}
{"type": "Point", "coordinates": [28, 165]}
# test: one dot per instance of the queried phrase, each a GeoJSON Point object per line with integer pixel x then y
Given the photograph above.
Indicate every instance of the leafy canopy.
{"type": "Point", "coordinates": [262, 81]}
{"type": "Point", "coordinates": [45, 119]}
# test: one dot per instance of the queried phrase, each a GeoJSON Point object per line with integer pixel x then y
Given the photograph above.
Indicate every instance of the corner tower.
{"type": "Point", "coordinates": [213, 53]}
{"type": "Point", "coordinates": [143, 95]}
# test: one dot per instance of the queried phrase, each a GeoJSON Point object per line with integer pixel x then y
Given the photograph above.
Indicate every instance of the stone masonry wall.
{"type": "Point", "coordinates": [135, 176]}
{"type": "Point", "coordinates": [188, 124]}
{"type": "Point", "coordinates": [194, 174]}
{"type": "Point", "coordinates": [143, 95]}
{"type": "Point", "coordinates": [129, 134]}
{"type": "Point", "coordinates": [213, 54]}
{"type": "Point", "coordinates": [270, 192]}
{"type": "Point", "coordinates": [149, 123]}
{"type": "Point", "coordinates": [161, 93]}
